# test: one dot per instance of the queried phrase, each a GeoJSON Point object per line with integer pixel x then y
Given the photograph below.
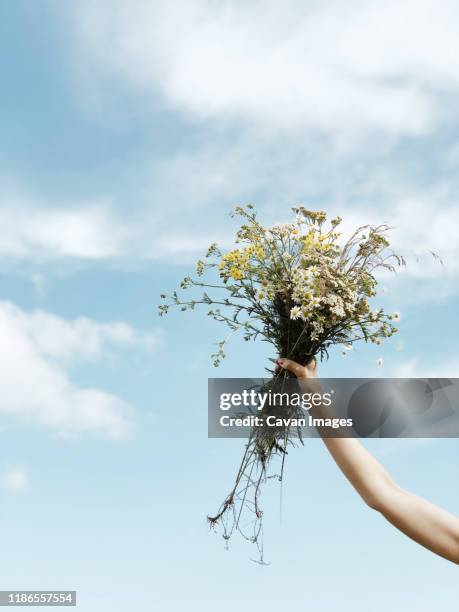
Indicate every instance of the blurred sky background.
{"type": "Point", "coordinates": [129, 130]}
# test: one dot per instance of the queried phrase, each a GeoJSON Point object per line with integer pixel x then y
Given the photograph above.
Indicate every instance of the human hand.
{"type": "Point", "coordinates": [307, 375]}
{"type": "Point", "coordinates": [308, 371]}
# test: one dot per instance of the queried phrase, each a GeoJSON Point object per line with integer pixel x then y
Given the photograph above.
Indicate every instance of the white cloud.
{"type": "Point", "coordinates": [299, 78]}
{"type": "Point", "coordinates": [82, 338]}
{"type": "Point", "coordinates": [421, 223]}
{"type": "Point", "coordinates": [37, 349]}
{"type": "Point", "coordinates": [343, 68]}
{"type": "Point", "coordinates": [424, 219]}
{"type": "Point", "coordinates": [412, 368]}
{"type": "Point", "coordinates": [15, 479]}
{"type": "Point", "coordinates": [31, 228]}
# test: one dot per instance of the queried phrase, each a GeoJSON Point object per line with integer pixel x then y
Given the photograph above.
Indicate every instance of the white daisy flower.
{"type": "Point", "coordinates": [295, 312]}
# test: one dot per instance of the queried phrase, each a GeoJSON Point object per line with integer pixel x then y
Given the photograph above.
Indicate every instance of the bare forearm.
{"type": "Point", "coordinates": [366, 475]}
{"type": "Point", "coordinates": [427, 524]}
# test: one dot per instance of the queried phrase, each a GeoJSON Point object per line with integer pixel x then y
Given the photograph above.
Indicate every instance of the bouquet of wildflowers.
{"type": "Point", "coordinates": [303, 288]}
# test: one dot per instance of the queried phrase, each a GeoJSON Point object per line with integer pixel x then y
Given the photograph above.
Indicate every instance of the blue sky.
{"type": "Point", "coordinates": [128, 132]}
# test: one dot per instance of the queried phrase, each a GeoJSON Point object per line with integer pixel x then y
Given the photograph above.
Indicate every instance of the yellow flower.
{"type": "Point", "coordinates": [236, 273]}
{"type": "Point", "coordinates": [200, 268]}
